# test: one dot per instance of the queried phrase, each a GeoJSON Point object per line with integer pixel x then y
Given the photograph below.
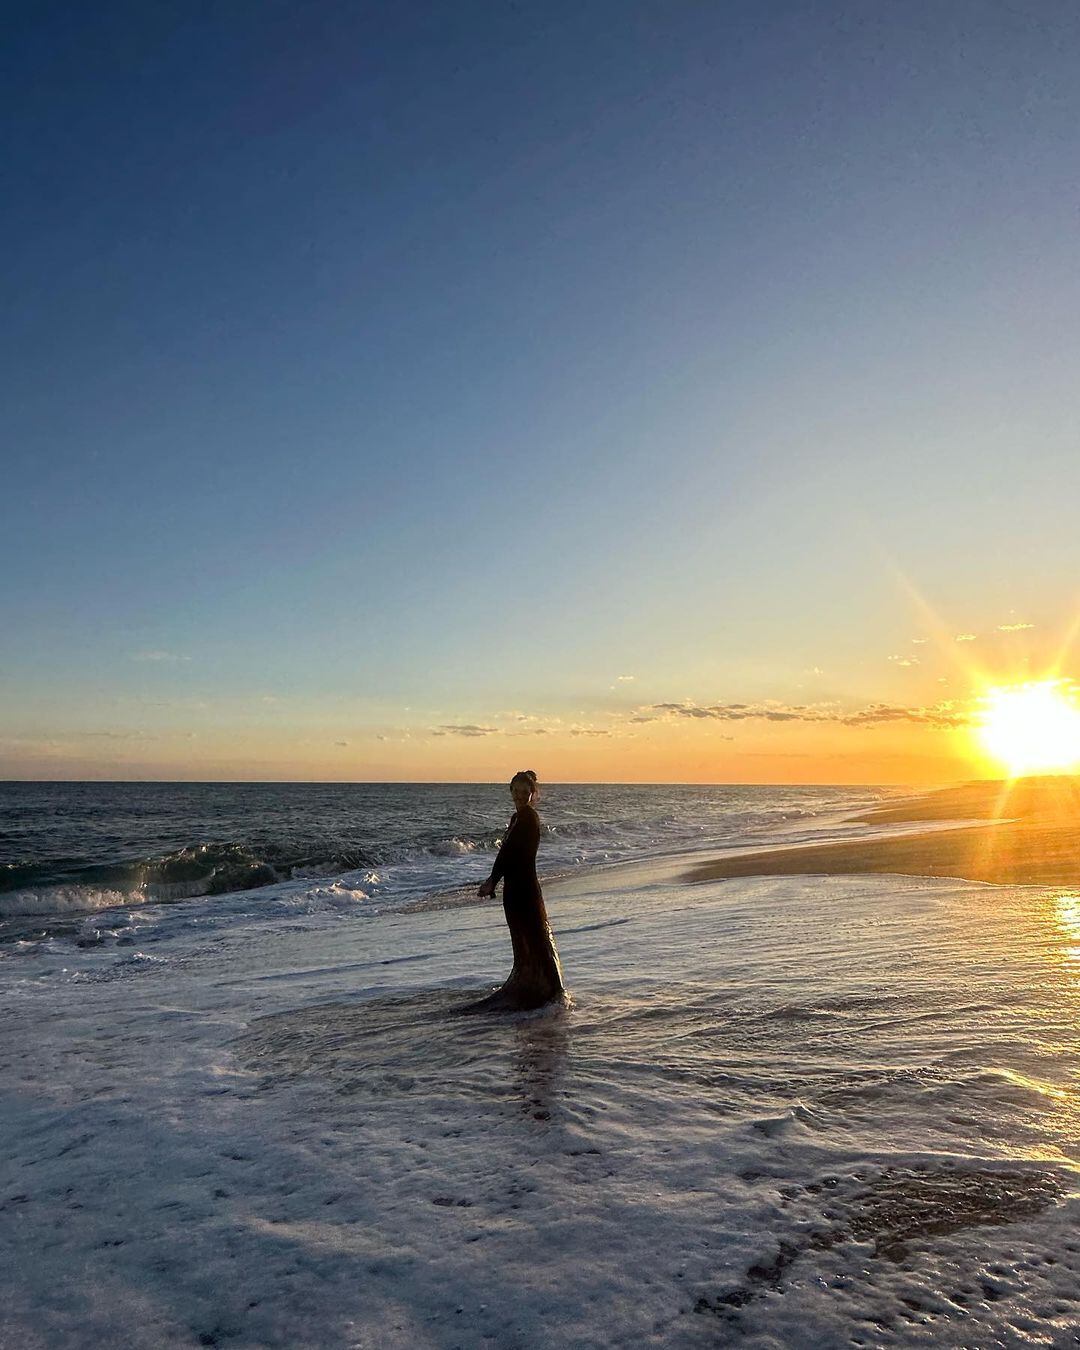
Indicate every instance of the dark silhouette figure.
{"type": "Point", "coordinates": [536, 978]}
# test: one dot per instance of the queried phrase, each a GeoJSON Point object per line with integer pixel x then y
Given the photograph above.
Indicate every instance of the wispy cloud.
{"type": "Point", "coordinates": [966, 637]}
{"type": "Point", "coordinates": [1013, 627]}
{"type": "Point", "coordinates": [158, 655]}
{"type": "Point", "coordinates": [942, 715]}
{"type": "Point", "coordinates": [938, 715]}
{"type": "Point", "coordinates": [341, 743]}
{"type": "Point", "coordinates": [623, 679]}
{"type": "Point", "coordinates": [742, 712]}
{"type": "Point", "coordinates": [905, 660]}
{"type": "Point", "coordinates": [466, 730]}
{"type": "Point", "coordinates": [685, 710]}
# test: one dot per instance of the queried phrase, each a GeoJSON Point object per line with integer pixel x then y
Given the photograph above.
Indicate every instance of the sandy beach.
{"type": "Point", "coordinates": [1026, 833]}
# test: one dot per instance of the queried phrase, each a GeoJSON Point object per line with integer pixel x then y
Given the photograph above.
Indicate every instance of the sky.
{"type": "Point", "coordinates": [629, 391]}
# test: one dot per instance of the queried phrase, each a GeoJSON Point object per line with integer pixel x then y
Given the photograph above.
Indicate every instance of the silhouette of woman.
{"type": "Point", "coordinates": [536, 978]}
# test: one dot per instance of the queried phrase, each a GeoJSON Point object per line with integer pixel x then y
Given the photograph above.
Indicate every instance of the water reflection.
{"type": "Point", "coordinates": [539, 1056]}
{"type": "Point", "coordinates": [416, 1045]}
{"type": "Point", "coordinates": [1066, 918]}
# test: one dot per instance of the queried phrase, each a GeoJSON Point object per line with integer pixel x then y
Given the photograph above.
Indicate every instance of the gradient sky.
{"type": "Point", "coordinates": [409, 391]}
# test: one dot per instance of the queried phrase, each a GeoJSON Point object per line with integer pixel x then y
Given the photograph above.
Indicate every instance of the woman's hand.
{"type": "Point", "coordinates": [487, 889]}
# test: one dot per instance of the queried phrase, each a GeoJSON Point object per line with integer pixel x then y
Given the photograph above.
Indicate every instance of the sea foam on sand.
{"type": "Point", "coordinates": [779, 1111]}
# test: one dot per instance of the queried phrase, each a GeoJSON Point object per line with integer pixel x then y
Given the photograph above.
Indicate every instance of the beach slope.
{"type": "Point", "coordinates": [1027, 832]}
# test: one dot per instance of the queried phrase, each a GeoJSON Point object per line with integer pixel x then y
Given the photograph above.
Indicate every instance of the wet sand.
{"type": "Point", "coordinates": [1029, 834]}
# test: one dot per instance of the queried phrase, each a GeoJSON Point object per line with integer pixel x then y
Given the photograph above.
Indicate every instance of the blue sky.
{"type": "Point", "coordinates": [369, 369]}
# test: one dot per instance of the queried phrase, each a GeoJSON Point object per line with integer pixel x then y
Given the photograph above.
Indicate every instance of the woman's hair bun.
{"type": "Point", "coordinates": [528, 775]}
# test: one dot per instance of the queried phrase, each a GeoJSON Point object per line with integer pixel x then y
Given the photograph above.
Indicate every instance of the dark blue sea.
{"type": "Point", "coordinates": [77, 858]}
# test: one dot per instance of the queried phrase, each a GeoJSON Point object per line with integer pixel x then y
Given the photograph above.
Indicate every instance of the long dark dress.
{"type": "Point", "coordinates": [536, 977]}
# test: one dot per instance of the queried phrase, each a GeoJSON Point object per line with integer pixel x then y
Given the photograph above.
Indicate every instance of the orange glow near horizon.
{"type": "Point", "coordinates": [1032, 727]}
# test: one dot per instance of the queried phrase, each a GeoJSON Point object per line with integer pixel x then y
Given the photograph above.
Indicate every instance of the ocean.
{"type": "Point", "coordinates": [77, 859]}
{"type": "Point", "coordinates": [775, 1112]}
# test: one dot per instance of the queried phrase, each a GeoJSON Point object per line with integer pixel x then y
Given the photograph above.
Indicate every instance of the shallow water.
{"type": "Point", "coordinates": [782, 1111]}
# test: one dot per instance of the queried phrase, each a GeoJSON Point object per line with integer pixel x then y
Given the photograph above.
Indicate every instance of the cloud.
{"type": "Point", "coordinates": [156, 654]}
{"type": "Point", "coordinates": [1013, 627]}
{"type": "Point", "coordinates": [743, 712]}
{"type": "Point", "coordinates": [905, 660]}
{"type": "Point", "coordinates": [468, 729]}
{"type": "Point", "coordinates": [624, 678]}
{"type": "Point", "coordinates": [341, 743]}
{"type": "Point", "coordinates": [918, 641]}
{"type": "Point", "coordinates": [588, 731]}
{"type": "Point", "coordinates": [965, 637]}
{"type": "Point", "coordinates": [528, 719]}
{"type": "Point", "coordinates": [941, 715]}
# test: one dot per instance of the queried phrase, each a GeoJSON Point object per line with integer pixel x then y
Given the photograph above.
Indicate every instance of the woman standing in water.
{"type": "Point", "coordinates": [536, 978]}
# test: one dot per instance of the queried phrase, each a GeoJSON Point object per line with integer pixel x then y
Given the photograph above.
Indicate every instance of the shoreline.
{"type": "Point", "coordinates": [1029, 835]}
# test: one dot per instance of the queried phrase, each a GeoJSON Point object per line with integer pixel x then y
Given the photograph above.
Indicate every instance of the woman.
{"type": "Point", "coordinates": [536, 977]}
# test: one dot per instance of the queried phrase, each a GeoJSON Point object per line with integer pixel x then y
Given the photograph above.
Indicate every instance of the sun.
{"type": "Point", "coordinates": [1031, 728]}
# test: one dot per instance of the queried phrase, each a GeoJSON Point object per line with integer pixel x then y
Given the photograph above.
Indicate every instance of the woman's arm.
{"type": "Point", "coordinates": [503, 858]}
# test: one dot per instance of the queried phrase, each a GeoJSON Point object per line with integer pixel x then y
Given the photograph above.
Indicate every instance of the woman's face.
{"type": "Point", "coordinates": [521, 793]}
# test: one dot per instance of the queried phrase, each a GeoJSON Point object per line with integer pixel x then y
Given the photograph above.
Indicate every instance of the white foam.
{"type": "Point", "coordinates": [60, 900]}
{"type": "Point", "coordinates": [780, 1111]}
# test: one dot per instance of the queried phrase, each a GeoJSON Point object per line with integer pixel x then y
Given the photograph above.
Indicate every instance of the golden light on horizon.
{"type": "Point", "coordinates": [1032, 727]}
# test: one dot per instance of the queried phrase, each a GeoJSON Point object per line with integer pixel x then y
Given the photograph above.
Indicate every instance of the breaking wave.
{"type": "Point", "coordinates": [76, 849]}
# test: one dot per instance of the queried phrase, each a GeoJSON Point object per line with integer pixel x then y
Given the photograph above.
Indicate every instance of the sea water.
{"type": "Point", "coordinates": [69, 851]}
{"type": "Point", "coordinates": [777, 1111]}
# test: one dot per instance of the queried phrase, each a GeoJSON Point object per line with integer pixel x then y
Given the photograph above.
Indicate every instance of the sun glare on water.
{"type": "Point", "coordinates": [1031, 728]}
